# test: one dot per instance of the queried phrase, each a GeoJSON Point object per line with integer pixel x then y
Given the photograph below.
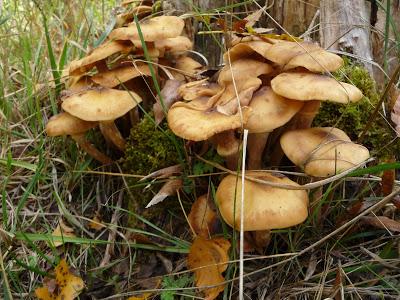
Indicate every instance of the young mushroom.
{"type": "Point", "coordinates": [322, 151]}
{"type": "Point", "coordinates": [265, 207]}
{"type": "Point", "coordinates": [66, 124]}
{"type": "Point", "coordinates": [103, 105]}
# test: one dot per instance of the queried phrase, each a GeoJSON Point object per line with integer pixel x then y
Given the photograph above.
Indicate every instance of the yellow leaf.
{"type": "Point", "coordinates": [62, 230]}
{"type": "Point", "coordinates": [96, 224]}
{"type": "Point", "coordinates": [144, 296]}
{"type": "Point", "coordinates": [202, 217]}
{"type": "Point", "coordinates": [66, 285]}
{"type": "Point", "coordinates": [208, 259]}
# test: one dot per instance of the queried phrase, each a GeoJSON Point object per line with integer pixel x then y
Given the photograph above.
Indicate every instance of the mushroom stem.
{"type": "Point", "coordinates": [90, 149]}
{"type": "Point", "coordinates": [111, 132]}
{"type": "Point", "coordinates": [228, 147]}
{"type": "Point", "coordinates": [302, 120]}
{"type": "Point", "coordinates": [255, 147]}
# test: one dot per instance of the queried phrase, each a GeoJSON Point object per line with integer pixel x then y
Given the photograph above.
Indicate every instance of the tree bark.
{"type": "Point", "coordinates": [344, 26]}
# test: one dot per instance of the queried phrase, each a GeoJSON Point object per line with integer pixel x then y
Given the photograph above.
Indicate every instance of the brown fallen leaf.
{"type": "Point", "coordinates": [144, 296]}
{"type": "Point", "coordinates": [382, 222]}
{"type": "Point", "coordinates": [388, 178]}
{"type": "Point", "coordinates": [202, 217]}
{"type": "Point", "coordinates": [164, 173]}
{"type": "Point", "coordinates": [96, 223]}
{"type": "Point", "coordinates": [62, 230]}
{"type": "Point", "coordinates": [168, 189]}
{"type": "Point", "coordinates": [65, 286]}
{"type": "Point", "coordinates": [208, 259]}
{"type": "Point", "coordinates": [170, 94]}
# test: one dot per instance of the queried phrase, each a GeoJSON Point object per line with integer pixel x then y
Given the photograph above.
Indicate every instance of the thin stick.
{"type": "Point", "coordinates": [241, 247]}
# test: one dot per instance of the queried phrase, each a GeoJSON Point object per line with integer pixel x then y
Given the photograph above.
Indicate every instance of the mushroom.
{"type": "Point", "coordinates": [246, 49]}
{"type": "Point", "coordinates": [66, 124]}
{"type": "Point", "coordinates": [265, 207]}
{"type": "Point", "coordinates": [269, 111]}
{"type": "Point", "coordinates": [78, 67]}
{"type": "Point", "coordinates": [152, 29]}
{"type": "Point", "coordinates": [228, 147]}
{"type": "Point", "coordinates": [103, 105]}
{"type": "Point", "coordinates": [322, 151]}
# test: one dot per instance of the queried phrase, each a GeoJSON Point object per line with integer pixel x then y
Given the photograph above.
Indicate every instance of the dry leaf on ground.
{"type": "Point", "coordinates": [96, 223]}
{"type": "Point", "coordinates": [168, 189]}
{"type": "Point", "coordinates": [144, 296]}
{"type": "Point", "coordinates": [382, 222]}
{"type": "Point", "coordinates": [202, 217]}
{"type": "Point", "coordinates": [208, 259]}
{"type": "Point", "coordinates": [65, 286]}
{"type": "Point", "coordinates": [62, 230]}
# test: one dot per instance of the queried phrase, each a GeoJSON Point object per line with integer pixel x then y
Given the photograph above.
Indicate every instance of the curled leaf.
{"type": "Point", "coordinates": [208, 259]}
{"type": "Point", "coordinates": [382, 222]}
{"type": "Point", "coordinates": [66, 285]}
{"type": "Point", "coordinates": [202, 217]}
{"type": "Point", "coordinates": [168, 189]}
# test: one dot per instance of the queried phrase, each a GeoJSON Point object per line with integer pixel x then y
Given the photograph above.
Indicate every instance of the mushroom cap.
{"type": "Point", "coordinates": [83, 65]}
{"type": "Point", "coordinates": [316, 61]}
{"type": "Point", "coordinates": [66, 124]}
{"type": "Point", "coordinates": [153, 29]}
{"type": "Point", "coordinates": [270, 111]}
{"type": "Point", "coordinates": [308, 86]}
{"type": "Point", "coordinates": [265, 207]}
{"type": "Point", "coordinates": [198, 125]}
{"type": "Point", "coordinates": [114, 77]}
{"type": "Point", "coordinates": [243, 68]}
{"type": "Point", "coordinates": [194, 89]}
{"type": "Point", "coordinates": [174, 44]}
{"type": "Point", "coordinates": [246, 49]}
{"type": "Point", "coordinates": [100, 104]}
{"type": "Point", "coordinates": [281, 52]}
{"type": "Point", "coordinates": [322, 151]}
{"type": "Point", "coordinates": [227, 143]}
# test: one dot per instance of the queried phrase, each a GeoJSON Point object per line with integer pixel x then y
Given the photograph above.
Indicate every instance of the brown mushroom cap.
{"type": "Point", "coordinates": [281, 52]}
{"type": "Point", "coordinates": [265, 207]}
{"type": "Point", "coordinates": [175, 44]}
{"type": "Point", "coordinates": [198, 125]}
{"type": "Point", "coordinates": [316, 61]}
{"type": "Point", "coordinates": [322, 151]}
{"type": "Point", "coordinates": [307, 86]}
{"type": "Point", "coordinates": [66, 124]}
{"type": "Point", "coordinates": [120, 75]}
{"type": "Point", "coordinates": [153, 29]}
{"type": "Point", "coordinates": [246, 49]}
{"type": "Point", "coordinates": [100, 104]}
{"type": "Point", "coordinates": [83, 65]}
{"type": "Point", "coordinates": [270, 111]}
{"type": "Point", "coordinates": [242, 69]}
{"type": "Point", "coordinates": [195, 89]}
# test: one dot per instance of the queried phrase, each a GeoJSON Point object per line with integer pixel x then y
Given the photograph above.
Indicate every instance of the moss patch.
{"type": "Point", "coordinates": [352, 118]}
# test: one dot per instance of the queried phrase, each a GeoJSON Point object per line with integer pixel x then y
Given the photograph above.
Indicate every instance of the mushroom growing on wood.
{"type": "Point", "coordinates": [265, 207]}
{"type": "Point", "coordinates": [66, 124]}
{"type": "Point", "coordinates": [322, 151]}
{"type": "Point", "coordinates": [103, 105]}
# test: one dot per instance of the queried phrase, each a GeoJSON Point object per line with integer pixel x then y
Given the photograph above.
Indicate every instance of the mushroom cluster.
{"type": "Point", "coordinates": [110, 82]}
{"type": "Point", "coordinates": [269, 86]}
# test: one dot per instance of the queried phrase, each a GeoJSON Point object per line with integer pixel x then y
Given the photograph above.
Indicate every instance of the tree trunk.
{"type": "Point", "coordinates": [345, 27]}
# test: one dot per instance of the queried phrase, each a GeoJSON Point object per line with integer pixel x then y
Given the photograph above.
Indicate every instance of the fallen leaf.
{"type": "Point", "coordinates": [144, 296]}
{"type": "Point", "coordinates": [164, 173]}
{"type": "Point", "coordinates": [202, 217]}
{"type": "Point", "coordinates": [96, 223]}
{"type": "Point", "coordinates": [168, 189]}
{"type": "Point", "coordinates": [388, 178]}
{"type": "Point", "coordinates": [169, 94]}
{"type": "Point", "coordinates": [208, 259]}
{"type": "Point", "coordinates": [382, 222]}
{"type": "Point", "coordinates": [62, 230]}
{"type": "Point", "coordinates": [65, 286]}
{"type": "Point", "coordinates": [312, 265]}
{"type": "Point", "coordinates": [254, 17]}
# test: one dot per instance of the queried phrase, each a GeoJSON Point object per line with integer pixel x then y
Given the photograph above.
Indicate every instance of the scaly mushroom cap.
{"type": "Point", "coordinates": [198, 125]}
{"type": "Point", "coordinates": [78, 67]}
{"type": "Point", "coordinates": [316, 61]}
{"type": "Point", "coordinates": [322, 151]}
{"type": "Point", "coordinates": [246, 49]}
{"type": "Point", "coordinates": [120, 75]}
{"type": "Point", "coordinates": [100, 104]}
{"type": "Point", "coordinates": [66, 124]}
{"type": "Point", "coordinates": [307, 86]}
{"type": "Point", "coordinates": [153, 29]}
{"type": "Point", "coordinates": [265, 207]}
{"type": "Point", "coordinates": [270, 111]}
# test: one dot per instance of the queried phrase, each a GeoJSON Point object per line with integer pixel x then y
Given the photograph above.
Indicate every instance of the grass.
{"type": "Point", "coordinates": [43, 180]}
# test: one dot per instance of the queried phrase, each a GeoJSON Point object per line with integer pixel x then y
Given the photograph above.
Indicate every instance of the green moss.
{"type": "Point", "coordinates": [352, 118]}
{"type": "Point", "coordinates": [148, 149]}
